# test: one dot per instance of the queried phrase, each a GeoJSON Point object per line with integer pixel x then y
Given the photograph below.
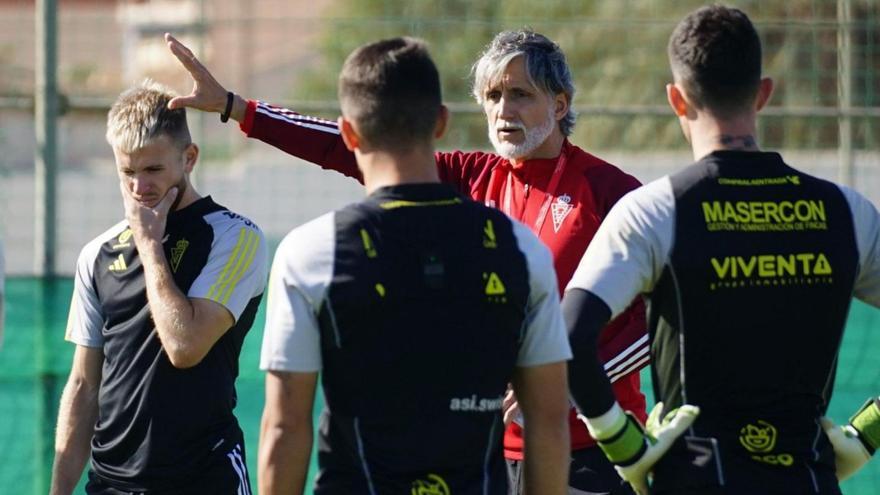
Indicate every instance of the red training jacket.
{"type": "Point", "coordinates": [583, 194]}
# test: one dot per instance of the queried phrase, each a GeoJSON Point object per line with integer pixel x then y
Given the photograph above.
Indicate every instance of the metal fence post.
{"type": "Point", "coordinates": [46, 169]}
{"type": "Point", "coordinates": [45, 113]}
{"type": "Point", "coordinates": [844, 93]}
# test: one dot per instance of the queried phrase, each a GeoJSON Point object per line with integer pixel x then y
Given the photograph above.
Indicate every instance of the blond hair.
{"type": "Point", "coordinates": [141, 114]}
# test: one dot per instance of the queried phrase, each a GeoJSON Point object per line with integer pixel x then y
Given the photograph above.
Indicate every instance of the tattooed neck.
{"type": "Point", "coordinates": [746, 142]}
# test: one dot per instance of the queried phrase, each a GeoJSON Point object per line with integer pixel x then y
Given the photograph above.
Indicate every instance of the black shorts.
{"type": "Point", "coordinates": [590, 472]}
{"type": "Point", "coordinates": [226, 477]}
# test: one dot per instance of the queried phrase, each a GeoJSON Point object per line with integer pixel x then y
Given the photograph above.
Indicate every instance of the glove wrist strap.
{"type": "Point", "coordinates": [627, 445]}
{"type": "Point", "coordinates": [866, 421]}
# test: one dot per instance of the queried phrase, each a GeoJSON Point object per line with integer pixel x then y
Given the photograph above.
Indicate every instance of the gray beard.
{"type": "Point", "coordinates": [535, 137]}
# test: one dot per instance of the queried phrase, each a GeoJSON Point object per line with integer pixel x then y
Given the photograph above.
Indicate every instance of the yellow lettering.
{"type": "Point", "coordinates": [786, 265]}
{"type": "Point", "coordinates": [757, 212]}
{"type": "Point", "coordinates": [760, 212]}
{"type": "Point", "coordinates": [747, 268]}
{"type": "Point", "coordinates": [721, 269]}
{"type": "Point", "coordinates": [766, 265]}
{"type": "Point", "coordinates": [772, 266]}
{"type": "Point", "coordinates": [802, 210]}
{"type": "Point", "coordinates": [712, 211]}
{"type": "Point", "coordinates": [772, 212]}
{"type": "Point", "coordinates": [742, 208]}
{"type": "Point", "coordinates": [786, 211]}
{"type": "Point", "coordinates": [818, 208]}
{"type": "Point", "coordinates": [805, 259]}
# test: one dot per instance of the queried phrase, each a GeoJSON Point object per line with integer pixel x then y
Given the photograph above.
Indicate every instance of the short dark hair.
{"type": "Point", "coordinates": [391, 90]}
{"type": "Point", "coordinates": [715, 53]}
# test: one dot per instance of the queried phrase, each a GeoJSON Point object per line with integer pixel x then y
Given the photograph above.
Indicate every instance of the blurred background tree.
{"type": "Point", "coordinates": [617, 52]}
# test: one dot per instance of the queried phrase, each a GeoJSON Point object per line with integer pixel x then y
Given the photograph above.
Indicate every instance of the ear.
{"type": "Point", "coordinates": [442, 122]}
{"type": "Point", "coordinates": [561, 105]}
{"type": "Point", "coordinates": [349, 134]}
{"type": "Point", "coordinates": [765, 90]}
{"type": "Point", "coordinates": [675, 97]}
{"type": "Point", "coordinates": [191, 155]}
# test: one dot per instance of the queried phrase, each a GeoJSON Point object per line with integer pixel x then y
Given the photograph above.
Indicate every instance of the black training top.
{"type": "Point", "coordinates": [416, 305]}
{"type": "Point", "coordinates": [750, 266]}
{"type": "Point", "coordinates": [159, 426]}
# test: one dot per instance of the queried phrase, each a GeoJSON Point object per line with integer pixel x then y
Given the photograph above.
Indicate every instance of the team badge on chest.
{"type": "Point", "coordinates": [559, 210]}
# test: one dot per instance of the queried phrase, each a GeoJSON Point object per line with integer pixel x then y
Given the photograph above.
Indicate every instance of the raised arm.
{"type": "Point", "coordinates": [207, 94]}
{"type": "Point", "coordinates": [76, 419]}
{"type": "Point", "coordinates": [312, 139]}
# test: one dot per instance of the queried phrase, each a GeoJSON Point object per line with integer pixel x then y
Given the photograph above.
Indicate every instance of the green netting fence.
{"type": "Point", "coordinates": [35, 361]}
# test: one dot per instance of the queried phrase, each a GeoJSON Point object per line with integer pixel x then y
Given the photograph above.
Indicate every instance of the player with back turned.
{"type": "Point", "coordinates": [749, 266]}
{"type": "Point", "coordinates": [417, 306]}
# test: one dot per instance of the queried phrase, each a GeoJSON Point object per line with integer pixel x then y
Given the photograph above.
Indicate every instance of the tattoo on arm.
{"type": "Point", "coordinates": [746, 142]}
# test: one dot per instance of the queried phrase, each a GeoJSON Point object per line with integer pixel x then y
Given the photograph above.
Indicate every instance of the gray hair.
{"type": "Point", "coordinates": [545, 65]}
{"type": "Point", "coordinates": [141, 114]}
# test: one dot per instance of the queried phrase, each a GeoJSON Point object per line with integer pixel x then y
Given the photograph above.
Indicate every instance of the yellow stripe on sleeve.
{"type": "Point", "coordinates": [214, 291]}
{"type": "Point", "coordinates": [236, 269]}
{"type": "Point", "coordinates": [248, 258]}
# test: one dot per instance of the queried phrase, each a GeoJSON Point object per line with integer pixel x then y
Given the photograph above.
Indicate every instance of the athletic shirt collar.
{"type": "Point", "coordinates": [197, 208]}
{"type": "Point", "coordinates": [744, 160]}
{"type": "Point", "coordinates": [427, 191]}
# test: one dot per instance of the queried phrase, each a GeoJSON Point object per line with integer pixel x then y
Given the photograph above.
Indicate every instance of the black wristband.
{"type": "Point", "coordinates": [224, 117]}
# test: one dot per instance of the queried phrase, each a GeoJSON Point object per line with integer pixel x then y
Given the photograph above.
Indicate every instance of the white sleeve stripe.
{"type": "Point", "coordinates": [639, 344]}
{"type": "Point", "coordinates": [316, 125]}
{"type": "Point", "coordinates": [635, 367]}
{"type": "Point", "coordinates": [294, 115]}
{"type": "Point", "coordinates": [643, 352]}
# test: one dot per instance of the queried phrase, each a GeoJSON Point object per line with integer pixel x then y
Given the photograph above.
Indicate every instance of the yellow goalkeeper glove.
{"type": "Point", "coordinates": [633, 449]}
{"type": "Point", "coordinates": [856, 442]}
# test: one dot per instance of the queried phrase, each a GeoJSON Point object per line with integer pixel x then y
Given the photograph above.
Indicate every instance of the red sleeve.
{"type": "Point", "coordinates": [609, 184]}
{"type": "Point", "coordinates": [310, 138]}
{"type": "Point", "coordinates": [465, 170]}
{"type": "Point", "coordinates": [623, 343]}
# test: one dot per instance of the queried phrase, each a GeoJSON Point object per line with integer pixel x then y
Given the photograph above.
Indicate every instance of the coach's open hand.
{"type": "Point", "coordinates": [207, 94]}
{"type": "Point", "coordinates": [147, 223]}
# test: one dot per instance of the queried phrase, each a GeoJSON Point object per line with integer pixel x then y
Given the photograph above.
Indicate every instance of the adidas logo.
{"type": "Point", "coordinates": [118, 265]}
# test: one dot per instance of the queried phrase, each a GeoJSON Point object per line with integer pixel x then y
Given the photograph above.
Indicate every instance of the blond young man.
{"type": "Point", "coordinates": [161, 305]}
